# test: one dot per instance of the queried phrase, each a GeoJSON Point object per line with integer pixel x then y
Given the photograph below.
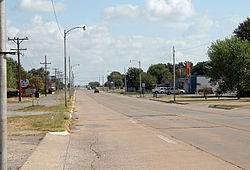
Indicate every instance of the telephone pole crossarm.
{"type": "Point", "coordinates": [18, 41]}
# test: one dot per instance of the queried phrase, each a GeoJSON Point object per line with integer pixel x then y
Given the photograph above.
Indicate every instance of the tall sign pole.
{"type": "Point", "coordinates": [174, 71]}
{"type": "Point", "coordinates": [3, 87]}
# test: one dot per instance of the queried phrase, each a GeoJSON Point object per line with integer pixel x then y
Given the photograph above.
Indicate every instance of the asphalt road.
{"type": "Point", "coordinates": [222, 134]}
{"type": "Point", "coordinates": [119, 132]}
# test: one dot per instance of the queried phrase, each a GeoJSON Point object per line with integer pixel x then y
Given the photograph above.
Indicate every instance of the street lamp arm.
{"type": "Point", "coordinates": [84, 28]}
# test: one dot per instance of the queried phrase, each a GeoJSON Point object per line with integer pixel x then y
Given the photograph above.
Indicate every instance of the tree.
{"type": "Point", "coordinates": [39, 73]}
{"type": "Point", "coordinates": [159, 71]}
{"type": "Point", "coordinates": [12, 73]}
{"type": "Point", "coordinates": [94, 84]}
{"type": "Point", "coordinates": [149, 80]}
{"type": "Point", "coordinates": [116, 78]}
{"type": "Point", "coordinates": [201, 68]}
{"type": "Point", "coordinates": [230, 64]}
{"type": "Point", "coordinates": [133, 79]}
{"type": "Point", "coordinates": [243, 30]}
{"type": "Point", "coordinates": [11, 76]}
{"type": "Point", "coordinates": [37, 82]}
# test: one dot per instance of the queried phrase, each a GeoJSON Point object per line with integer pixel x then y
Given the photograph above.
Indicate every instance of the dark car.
{"type": "Point", "coordinates": [96, 90]}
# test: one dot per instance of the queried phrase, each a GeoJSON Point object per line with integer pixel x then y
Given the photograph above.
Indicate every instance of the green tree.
{"type": "Point", "coordinates": [201, 68]}
{"type": "Point", "coordinates": [94, 84]}
{"type": "Point", "coordinates": [12, 73]}
{"type": "Point", "coordinates": [133, 79]}
{"type": "Point", "coordinates": [39, 73]}
{"type": "Point", "coordinates": [37, 82]}
{"type": "Point", "coordinates": [230, 64]}
{"type": "Point", "coordinates": [149, 80]}
{"type": "Point", "coordinates": [159, 71]}
{"type": "Point", "coordinates": [117, 78]}
{"type": "Point", "coordinates": [243, 30]}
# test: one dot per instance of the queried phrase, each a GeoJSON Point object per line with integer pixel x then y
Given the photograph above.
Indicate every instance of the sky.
{"type": "Point", "coordinates": [118, 31]}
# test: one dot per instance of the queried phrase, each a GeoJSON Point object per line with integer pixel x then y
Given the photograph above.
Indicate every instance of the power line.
{"type": "Point", "coordinates": [186, 49]}
{"type": "Point", "coordinates": [54, 10]}
{"type": "Point", "coordinates": [45, 72]}
{"type": "Point", "coordinates": [18, 41]}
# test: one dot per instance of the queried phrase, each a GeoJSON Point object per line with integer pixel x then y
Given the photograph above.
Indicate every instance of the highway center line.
{"type": "Point", "coordinates": [166, 139]}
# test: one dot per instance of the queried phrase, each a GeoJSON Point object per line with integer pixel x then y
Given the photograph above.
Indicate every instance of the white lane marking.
{"type": "Point", "coordinates": [132, 121]}
{"type": "Point", "coordinates": [166, 139]}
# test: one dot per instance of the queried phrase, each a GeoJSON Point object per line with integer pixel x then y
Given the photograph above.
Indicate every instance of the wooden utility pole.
{"type": "Point", "coordinates": [18, 41]}
{"type": "Point", "coordinates": [56, 82]}
{"type": "Point", "coordinates": [45, 77]}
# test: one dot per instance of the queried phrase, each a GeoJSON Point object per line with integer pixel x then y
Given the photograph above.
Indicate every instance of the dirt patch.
{"type": "Point", "coordinates": [20, 145]}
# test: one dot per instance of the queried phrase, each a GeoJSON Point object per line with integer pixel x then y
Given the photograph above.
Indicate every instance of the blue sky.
{"type": "Point", "coordinates": [120, 30]}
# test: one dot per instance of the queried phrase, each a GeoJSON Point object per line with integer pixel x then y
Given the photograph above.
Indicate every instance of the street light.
{"type": "Point", "coordinates": [140, 73]}
{"type": "Point", "coordinates": [65, 60]}
{"type": "Point", "coordinates": [70, 81]}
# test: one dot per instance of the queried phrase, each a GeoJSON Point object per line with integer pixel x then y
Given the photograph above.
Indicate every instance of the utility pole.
{"type": "Point", "coordinates": [125, 79]}
{"type": "Point", "coordinates": [69, 78]}
{"type": "Point", "coordinates": [99, 79]}
{"type": "Point", "coordinates": [174, 70]}
{"type": "Point", "coordinates": [140, 77]}
{"type": "Point", "coordinates": [3, 87]}
{"type": "Point", "coordinates": [56, 82]}
{"type": "Point", "coordinates": [140, 73]}
{"type": "Point", "coordinates": [18, 41]}
{"type": "Point", "coordinates": [103, 83]}
{"type": "Point", "coordinates": [45, 77]}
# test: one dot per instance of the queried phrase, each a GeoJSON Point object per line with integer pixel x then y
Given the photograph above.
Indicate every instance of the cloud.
{"type": "Point", "coordinates": [153, 10]}
{"type": "Point", "coordinates": [128, 11]}
{"type": "Point", "coordinates": [200, 28]}
{"type": "Point", "coordinates": [95, 49]}
{"type": "Point", "coordinates": [40, 5]}
{"type": "Point", "coordinates": [171, 10]}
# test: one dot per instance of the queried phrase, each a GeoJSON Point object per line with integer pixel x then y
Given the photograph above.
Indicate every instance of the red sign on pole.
{"type": "Point", "coordinates": [188, 71]}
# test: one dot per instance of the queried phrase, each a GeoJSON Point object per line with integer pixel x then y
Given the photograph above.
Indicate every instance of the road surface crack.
{"type": "Point", "coordinates": [97, 154]}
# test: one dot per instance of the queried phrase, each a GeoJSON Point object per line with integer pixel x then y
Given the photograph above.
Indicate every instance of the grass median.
{"type": "Point", "coordinates": [56, 118]}
{"type": "Point", "coordinates": [46, 122]}
{"type": "Point", "coordinates": [197, 98]}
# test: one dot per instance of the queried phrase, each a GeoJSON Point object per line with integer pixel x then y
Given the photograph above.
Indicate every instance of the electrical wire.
{"type": "Point", "coordinates": [186, 49]}
{"type": "Point", "coordinates": [54, 10]}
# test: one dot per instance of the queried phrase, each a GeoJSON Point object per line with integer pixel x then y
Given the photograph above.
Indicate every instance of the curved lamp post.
{"type": "Point", "coordinates": [65, 61]}
{"type": "Point", "coordinates": [138, 61]}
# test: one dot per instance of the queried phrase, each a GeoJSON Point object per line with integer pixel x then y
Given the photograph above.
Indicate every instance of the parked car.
{"type": "Point", "coordinates": [170, 90]}
{"type": "Point", "coordinates": [158, 90]}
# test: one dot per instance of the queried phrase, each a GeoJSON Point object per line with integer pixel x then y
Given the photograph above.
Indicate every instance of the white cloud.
{"type": "Point", "coordinates": [200, 27]}
{"type": "Point", "coordinates": [128, 10]}
{"type": "Point", "coordinates": [170, 10]}
{"type": "Point", "coordinates": [153, 10]}
{"type": "Point", "coordinates": [95, 49]}
{"type": "Point", "coordinates": [40, 5]}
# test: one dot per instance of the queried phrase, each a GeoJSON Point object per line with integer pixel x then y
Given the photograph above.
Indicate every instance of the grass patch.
{"type": "Point", "coordinates": [192, 99]}
{"type": "Point", "coordinates": [47, 122]}
{"type": "Point", "coordinates": [55, 109]}
{"type": "Point", "coordinates": [40, 108]}
{"type": "Point", "coordinates": [23, 100]}
{"type": "Point", "coordinates": [57, 119]}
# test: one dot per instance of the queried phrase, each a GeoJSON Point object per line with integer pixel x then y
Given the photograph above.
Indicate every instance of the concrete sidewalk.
{"type": "Point", "coordinates": [105, 139]}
